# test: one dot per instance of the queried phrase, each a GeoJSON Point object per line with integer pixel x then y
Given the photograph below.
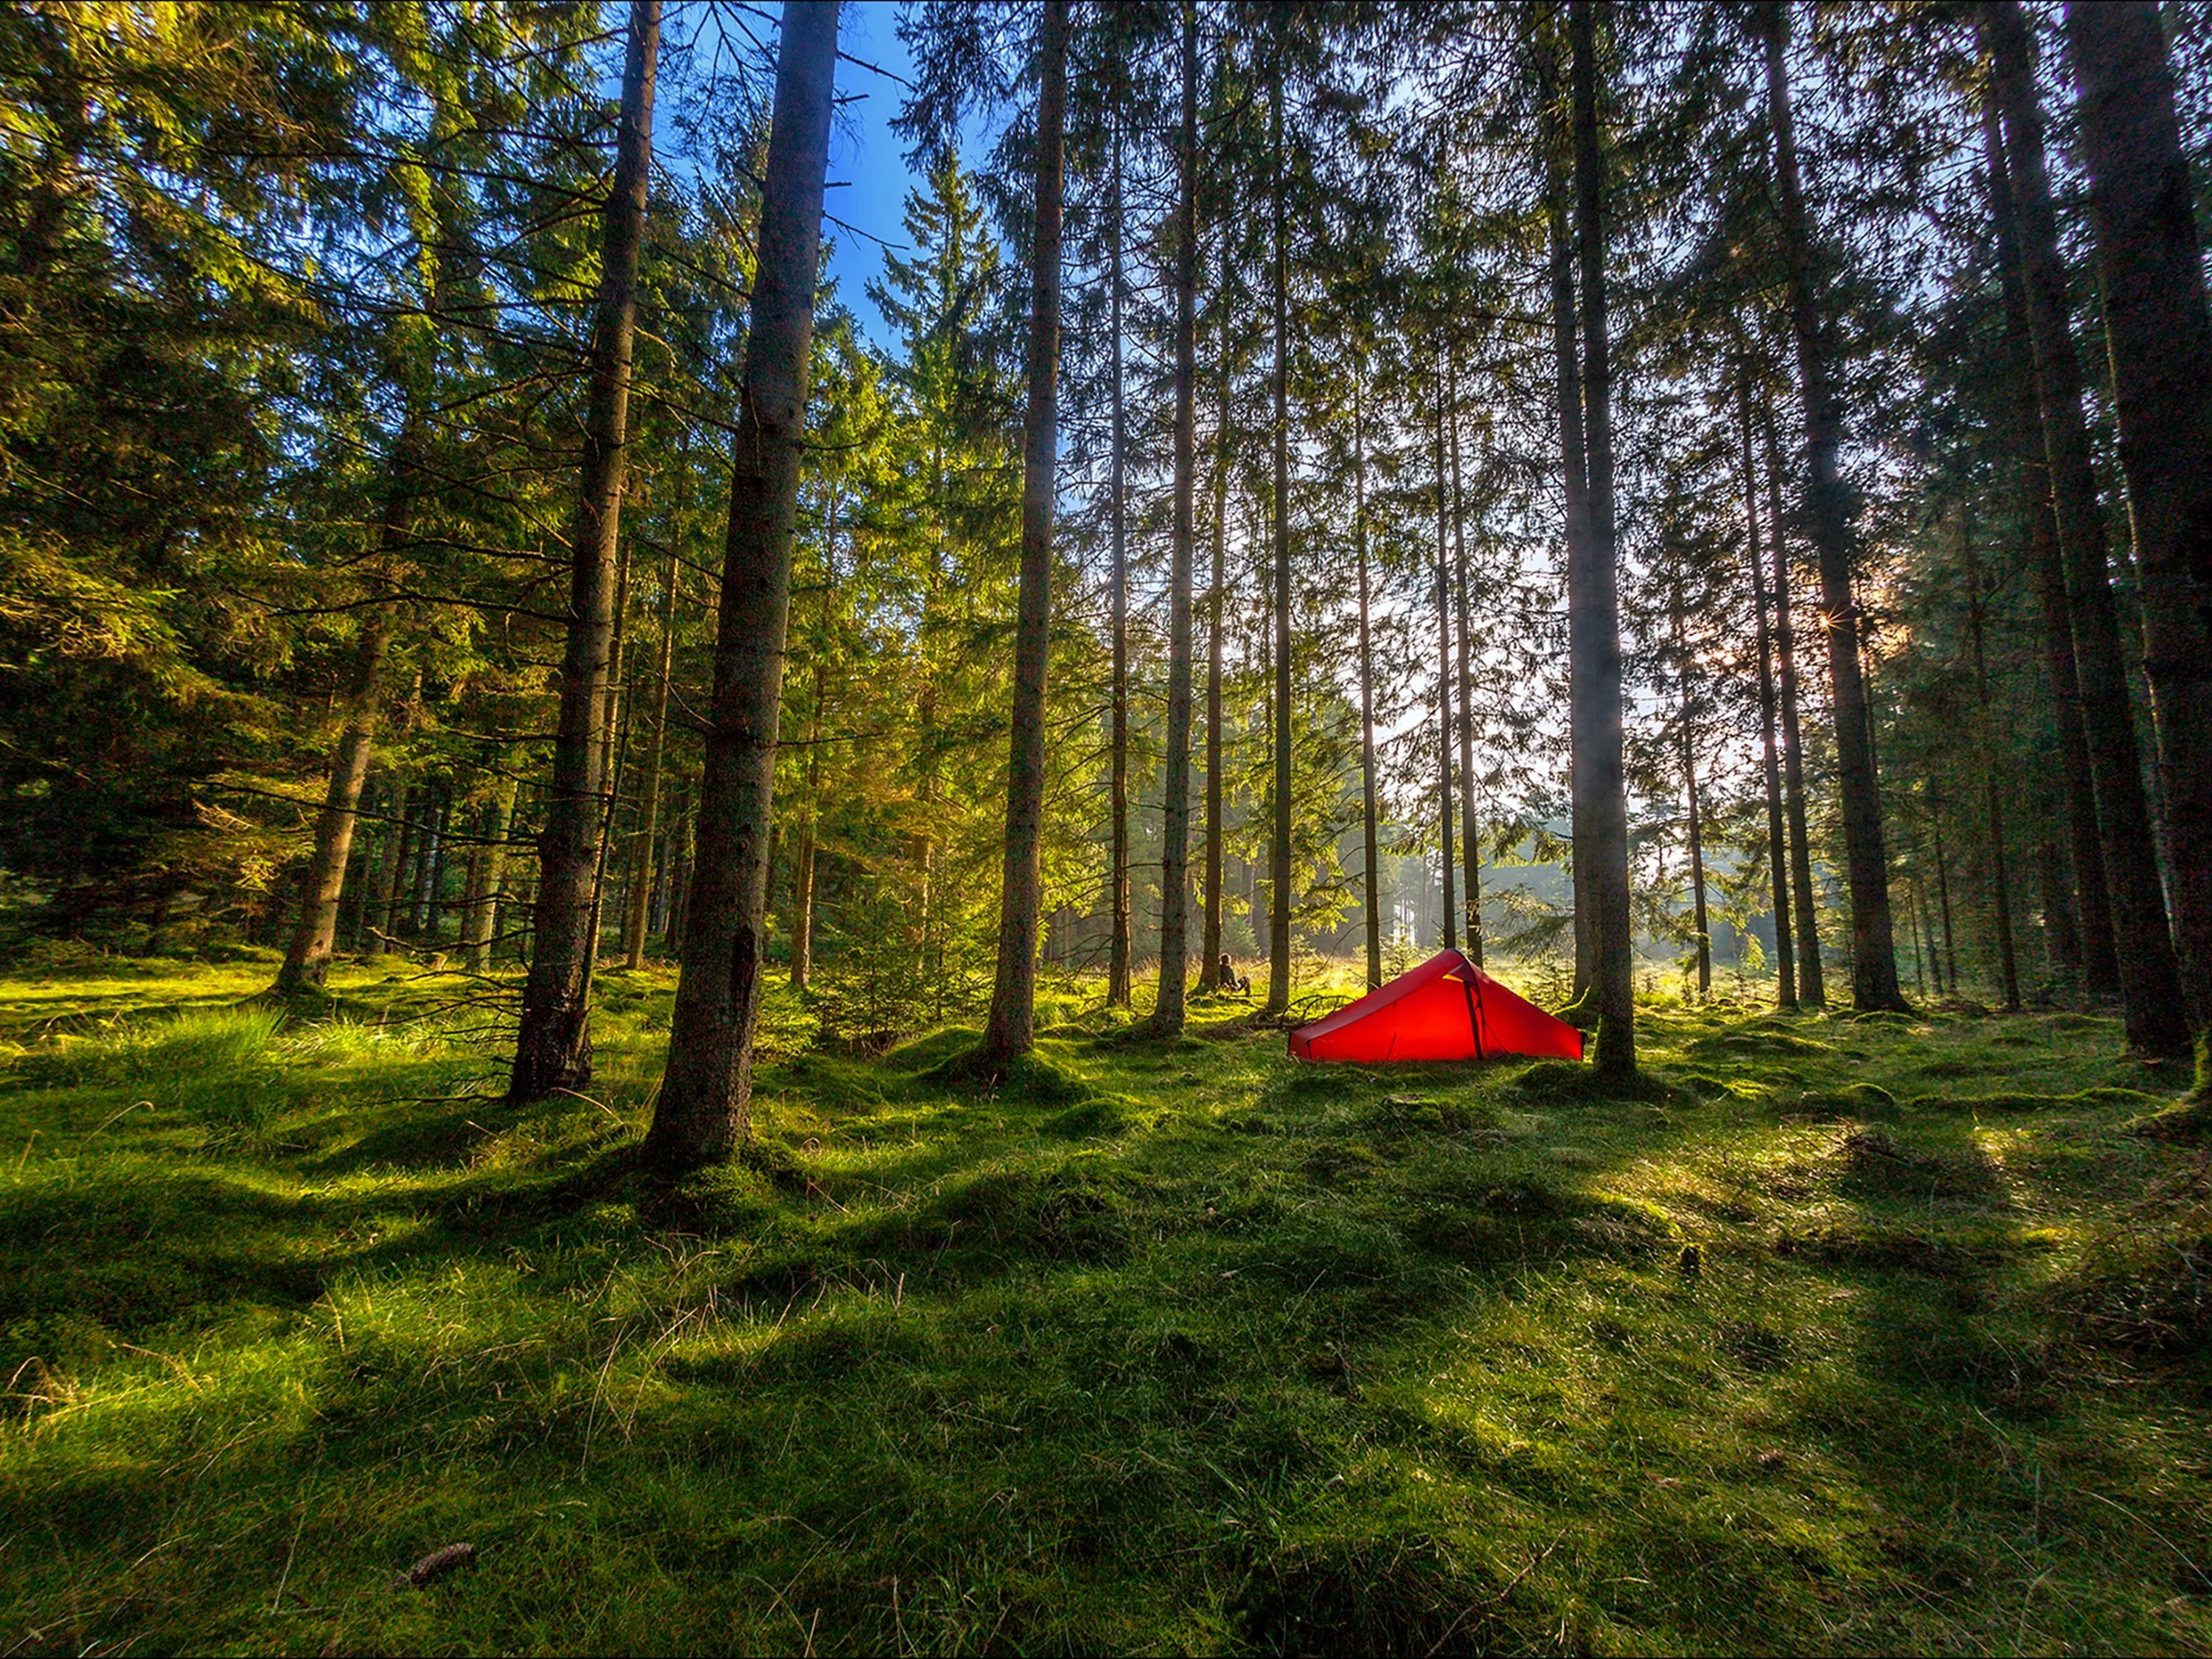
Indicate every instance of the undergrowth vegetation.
{"type": "Point", "coordinates": [1844, 1334]}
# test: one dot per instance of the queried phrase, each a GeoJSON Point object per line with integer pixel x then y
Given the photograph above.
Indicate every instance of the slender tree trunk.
{"type": "Point", "coordinates": [647, 833]}
{"type": "Point", "coordinates": [430, 864]}
{"type": "Point", "coordinates": [2150, 984]}
{"type": "Point", "coordinates": [1175, 818]}
{"type": "Point", "coordinates": [1689, 748]}
{"type": "Point", "coordinates": [1874, 955]}
{"type": "Point", "coordinates": [383, 913]}
{"type": "Point", "coordinates": [803, 863]}
{"type": "Point", "coordinates": [2000, 878]}
{"type": "Point", "coordinates": [1594, 614]}
{"type": "Point", "coordinates": [705, 1095]}
{"type": "Point", "coordinates": [1117, 961]}
{"type": "Point", "coordinates": [1447, 857]}
{"type": "Point", "coordinates": [1010, 1031]}
{"type": "Point", "coordinates": [1278, 930]}
{"type": "Point", "coordinates": [1573, 468]}
{"type": "Point", "coordinates": [681, 859]}
{"type": "Point", "coordinates": [1943, 890]}
{"type": "Point", "coordinates": [1778, 837]}
{"type": "Point", "coordinates": [614, 758]}
{"type": "Point", "coordinates": [1812, 979]}
{"type": "Point", "coordinates": [481, 924]}
{"type": "Point", "coordinates": [1210, 956]}
{"type": "Point", "coordinates": [1470, 834]}
{"type": "Point", "coordinates": [2161, 335]}
{"type": "Point", "coordinates": [307, 958]}
{"type": "Point", "coordinates": [2062, 946]}
{"type": "Point", "coordinates": [553, 1050]}
{"type": "Point", "coordinates": [2095, 959]}
{"type": "Point", "coordinates": [1368, 815]}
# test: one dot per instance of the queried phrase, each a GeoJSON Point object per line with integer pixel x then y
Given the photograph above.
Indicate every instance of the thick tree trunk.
{"type": "Point", "coordinates": [1778, 836]}
{"type": "Point", "coordinates": [1175, 818]}
{"type": "Point", "coordinates": [2161, 334]}
{"type": "Point", "coordinates": [1574, 478]}
{"type": "Point", "coordinates": [2150, 984]}
{"type": "Point", "coordinates": [1010, 1031]}
{"type": "Point", "coordinates": [1368, 815]}
{"type": "Point", "coordinates": [1279, 929]}
{"type": "Point", "coordinates": [553, 1050]}
{"type": "Point", "coordinates": [1812, 978]}
{"type": "Point", "coordinates": [1447, 858]}
{"type": "Point", "coordinates": [706, 1096]}
{"type": "Point", "coordinates": [1210, 956]}
{"type": "Point", "coordinates": [1874, 954]}
{"type": "Point", "coordinates": [2094, 958]}
{"type": "Point", "coordinates": [1117, 961]}
{"type": "Point", "coordinates": [1470, 834]}
{"type": "Point", "coordinates": [480, 926]}
{"type": "Point", "coordinates": [1594, 613]}
{"type": "Point", "coordinates": [2000, 877]}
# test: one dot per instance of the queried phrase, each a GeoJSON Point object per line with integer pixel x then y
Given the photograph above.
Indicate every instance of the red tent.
{"type": "Point", "coordinates": [1445, 1009]}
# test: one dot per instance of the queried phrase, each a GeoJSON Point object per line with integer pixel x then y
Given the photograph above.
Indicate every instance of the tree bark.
{"type": "Point", "coordinates": [2000, 877]}
{"type": "Point", "coordinates": [1368, 815]}
{"type": "Point", "coordinates": [1278, 930]}
{"type": "Point", "coordinates": [1573, 460]}
{"type": "Point", "coordinates": [1210, 955]}
{"type": "Point", "coordinates": [648, 812]}
{"type": "Point", "coordinates": [1689, 748]}
{"type": "Point", "coordinates": [1010, 1031]}
{"type": "Point", "coordinates": [1470, 834]}
{"type": "Point", "coordinates": [1778, 837]}
{"type": "Point", "coordinates": [1447, 857]}
{"type": "Point", "coordinates": [481, 924]}
{"type": "Point", "coordinates": [1812, 978]}
{"type": "Point", "coordinates": [705, 1095]}
{"type": "Point", "coordinates": [553, 1050]}
{"type": "Point", "coordinates": [1175, 818]}
{"type": "Point", "coordinates": [1874, 954]}
{"type": "Point", "coordinates": [2150, 984]}
{"type": "Point", "coordinates": [1594, 615]}
{"type": "Point", "coordinates": [1117, 964]}
{"type": "Point", "coordinates": [2161, 334]}
{"type": "Point", "coordinates": [2095, 958]}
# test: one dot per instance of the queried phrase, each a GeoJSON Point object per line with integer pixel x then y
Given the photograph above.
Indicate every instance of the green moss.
{"type": "Point", "coordinates": [1142, 1346]}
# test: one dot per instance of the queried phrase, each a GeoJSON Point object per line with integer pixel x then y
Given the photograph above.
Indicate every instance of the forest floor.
{"type": "Point", "coordinates": [1877, 1334]}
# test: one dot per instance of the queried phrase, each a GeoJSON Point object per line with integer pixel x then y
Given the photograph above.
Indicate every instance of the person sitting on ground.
{"type": "Point", "coordinates": [1227, 978]}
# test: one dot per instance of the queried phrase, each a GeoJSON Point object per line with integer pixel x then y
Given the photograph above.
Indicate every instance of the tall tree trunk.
{"type": "Point", "coordinates": [1470, 834]}
{"type": "Point", "coordinates": [705, 1095]}
{"type": "Point", "coordinates": [1368, 815]}
{"type": "Point", "coordinates": [1778, 837]}
{"type": "Point", "coordinates": [1874, 954]}
{"type": "Point", "coordinates": [1117, 961]}
{"type": "Point", "coordinates": [2061, 944]}
{"type": "Point", "coordinates": [1446, 857]}
{"type": "Point", "coordinates": [1010, 1031]}
{"type": "Point", "coordinates": [1210, 955]}
{"type": "Point", "coordinates": [2150, 984]}
{"type": "Point", "coordinates": [648, 832]}
{"type": "Point", "coordinates": [2161, 334]}
{"type": "Point", "coordinates": [481, 924]}
{"type": "Point", "coordinates": [1943, 890]}
{"type": "Point", "coordinates": [2095, 959]}
{"type": "Point", "coordinates": [1574, 477]}
{"type": "Point", "coordinates": [1278, 930]}
{"type": "Point", "coordinates": [1593, 612]}
{"type": "Point", "coordinates": [429, 863]}
{"type": "Point", "coordinates": [1812, 978]}
{"type": "Point", "coordinates": [1689, 748]}
{"type": "Point", "coordinates": [614, 758]}
{"type": "Point", "coordinates": [553, 1050]}
{"type": "Point", "coordinates": [1175, 818]}
{"type": "Point", "coordinates": [382, 917]}
{"type": "Point", "coordinates": [2000, 878]}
